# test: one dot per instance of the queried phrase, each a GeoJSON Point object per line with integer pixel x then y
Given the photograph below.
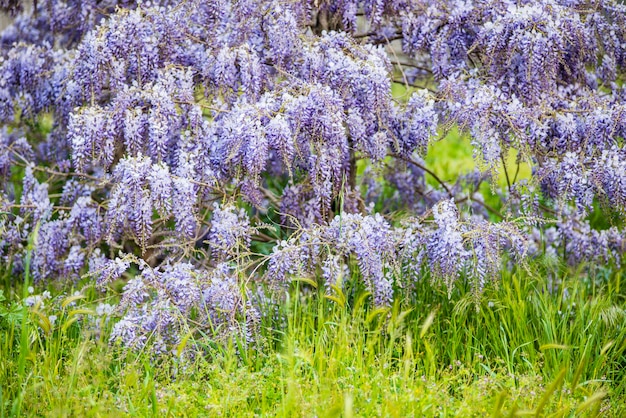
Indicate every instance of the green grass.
{"type": "Point", "coordinates": [523, 350]}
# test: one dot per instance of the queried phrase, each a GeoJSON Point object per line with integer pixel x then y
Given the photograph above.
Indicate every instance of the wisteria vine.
{"type": "Point", "coordinates": [222, 143]}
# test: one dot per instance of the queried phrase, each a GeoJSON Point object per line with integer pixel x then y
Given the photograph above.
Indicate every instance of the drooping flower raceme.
{"type": "Point", "coordinates": [216, 143]}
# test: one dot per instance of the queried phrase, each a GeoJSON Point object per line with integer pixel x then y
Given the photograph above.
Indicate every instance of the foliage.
{"type": "Point", "coordinates": [534, 346]}
{"type": "Point", "coordinates": [197, 148]}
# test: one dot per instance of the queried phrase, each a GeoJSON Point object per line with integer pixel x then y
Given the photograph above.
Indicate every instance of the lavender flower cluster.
{"type": "Point", "coordinates": [393, 257]}
{"type": "Point", "coordinates": [182, 136]}
{"type": "Point", "coordinates": [158, 303]}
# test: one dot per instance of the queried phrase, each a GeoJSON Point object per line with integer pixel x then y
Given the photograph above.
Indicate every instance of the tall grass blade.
{"type": "Point", "coordinates": [551, 389]}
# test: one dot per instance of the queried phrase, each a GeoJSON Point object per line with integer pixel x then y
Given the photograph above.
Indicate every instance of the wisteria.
{"type": "Point", "coordinates": [157, 303]}
{"type": "Point", "coordinates": [225, 146]}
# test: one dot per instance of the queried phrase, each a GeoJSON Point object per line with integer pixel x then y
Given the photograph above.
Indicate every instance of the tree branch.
{"type": "Point", "coordinates": [427, 170]}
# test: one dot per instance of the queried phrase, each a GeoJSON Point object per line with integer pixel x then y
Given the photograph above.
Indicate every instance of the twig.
{"type": "Point", "coordinates": [406, 81]}
{"type": "Point", "coordinates": [506, 172]}
{"type": "Point", "coordinates": [432, 173]}
{"type": "Point", "coordinates": [395, 80]}
{"type": "Point", "coordinates": [35, 206]}
{"type": "Point", "coordinates": [516, 170]}
{"type": "Point", "coordinates": [483, 204]}
{"type": "Point", "coordinates": [408, 64]}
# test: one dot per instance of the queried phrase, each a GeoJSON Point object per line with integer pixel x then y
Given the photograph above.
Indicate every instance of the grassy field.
{"type": "Point", "coordinates": [529, 347]}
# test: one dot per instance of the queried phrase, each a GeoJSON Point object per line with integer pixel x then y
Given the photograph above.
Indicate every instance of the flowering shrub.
{"type": "Point", "coordinates": [218, 143]}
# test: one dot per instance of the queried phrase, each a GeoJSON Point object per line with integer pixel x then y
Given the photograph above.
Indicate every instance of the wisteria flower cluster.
{"type": "Point", "coordinates": [158, 304]}
{"type": "Point", "coordinates": [389, 257]}
{"type": "Point", "coordinates": [220, 143]}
